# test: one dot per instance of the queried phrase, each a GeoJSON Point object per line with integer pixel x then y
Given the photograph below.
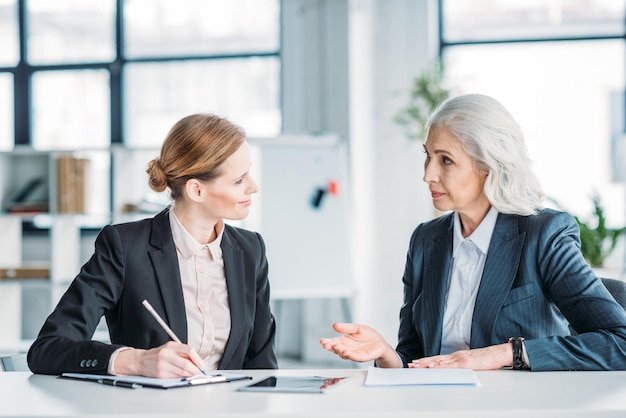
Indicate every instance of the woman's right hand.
{"type": "Point", "coordinates": [361, 343]}
{"type": "Point", "coordinates": [171, 360]}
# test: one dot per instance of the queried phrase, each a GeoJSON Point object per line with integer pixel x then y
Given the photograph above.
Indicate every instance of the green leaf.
{"type": "Point", "coordinates": [597, 241]}
{"type": "Point", "coordinates": [426, 94]}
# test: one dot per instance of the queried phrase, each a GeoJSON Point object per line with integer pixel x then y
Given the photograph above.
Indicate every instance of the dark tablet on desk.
{"type": "Point", "coordinates": [295, 384]}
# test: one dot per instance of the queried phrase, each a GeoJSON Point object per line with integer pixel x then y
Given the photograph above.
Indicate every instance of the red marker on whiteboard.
{"type": "Point", "coordinates": [319, 192]}
{"type": "Point", "coordinates": [333, 188]}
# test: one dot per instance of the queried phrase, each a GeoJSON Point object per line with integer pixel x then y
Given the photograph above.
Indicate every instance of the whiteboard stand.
{"type": "Point", "coordinates": [320, 296]}
{"type": "Point", "coordinates": [304, 222]}
{"type": "Point", "coordinates": [343, 295]}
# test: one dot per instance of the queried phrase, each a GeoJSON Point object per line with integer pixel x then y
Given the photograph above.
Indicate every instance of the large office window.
{"type": "Point", "coordinates": [200, 27]}
{"type": "Point", "coordinates": [9, 47]}
{"type": "Point", "coordinates": [69, 109]}
{"type": "Point", "coordinates": [9, 53]}
{"type": "Point", "coordinates": [244, 89]}
{"type": "Point", "coordinates": [70, 31]}
{"type": "Point", "coordinates": [83, 74]}
{"type": "Point", "coordinates": [559, 67]}
{"type": "Point", "coordinates": [202, 56]}
{"type": "Point", "coordinates": [6, 112]}
{"type": "Point", "coordinates": [521, 20]}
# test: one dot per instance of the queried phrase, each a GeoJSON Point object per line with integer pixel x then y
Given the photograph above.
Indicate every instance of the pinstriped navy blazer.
{"type": "Point", "coordinates": [534, 284]}
{"type": "Point", "coordinates": [136, 261]}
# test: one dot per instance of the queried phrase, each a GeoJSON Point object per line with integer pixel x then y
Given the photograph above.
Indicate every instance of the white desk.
{"type": "Point", "coordinates": [503, 393]}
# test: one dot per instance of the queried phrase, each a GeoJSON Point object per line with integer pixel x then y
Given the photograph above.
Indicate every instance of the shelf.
{"type": "Point", "coordinates": [41, 252]}
{"type": "Point", "coordinates": [25, 273]}
{"type": "Point", "coordinates": [79, 220]}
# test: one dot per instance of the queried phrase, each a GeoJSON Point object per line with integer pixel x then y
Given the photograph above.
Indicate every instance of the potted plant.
{"type": "Point", "coordinates": [597, 241]}
{"type": "Point", "coordinates": [426, 94]}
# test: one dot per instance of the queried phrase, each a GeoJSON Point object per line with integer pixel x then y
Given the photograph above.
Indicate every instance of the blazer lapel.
{"type": "Point", "coordinates": [234, 269]}
{"type": "Point", "coordinates": [165, 262]}
{"type": "Point", "coordinates": [437, 261]}
{"type": "Point", "coordinates": [501, 267]}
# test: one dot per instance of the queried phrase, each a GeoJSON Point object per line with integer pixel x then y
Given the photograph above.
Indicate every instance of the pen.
{"type": "Point", "coordinates": [114, 382]}
{"type": "Point", "coordinates": [161, 322]}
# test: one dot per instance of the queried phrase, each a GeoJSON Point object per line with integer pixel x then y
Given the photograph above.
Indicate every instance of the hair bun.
{"type": "Point", "coordinates": [156, 176]}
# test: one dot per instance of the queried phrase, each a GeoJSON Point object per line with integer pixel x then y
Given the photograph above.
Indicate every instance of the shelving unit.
{"type": "Point", "coordinates": [20, 167]}
{"type": "Point", "coordinates": [59, 243]}
{"type": "Point", "coordinates": [130, 184]}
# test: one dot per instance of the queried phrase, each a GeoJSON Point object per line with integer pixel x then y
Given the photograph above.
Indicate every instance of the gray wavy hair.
{"type": "Point", "coordinates": [494, 140]}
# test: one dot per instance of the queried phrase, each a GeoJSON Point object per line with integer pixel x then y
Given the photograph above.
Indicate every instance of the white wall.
{"type": "Point", "coordinates": [347, 68]}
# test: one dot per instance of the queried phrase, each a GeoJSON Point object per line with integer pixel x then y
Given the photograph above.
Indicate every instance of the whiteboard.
{"type": "Point", "coordinates": [307, 246]}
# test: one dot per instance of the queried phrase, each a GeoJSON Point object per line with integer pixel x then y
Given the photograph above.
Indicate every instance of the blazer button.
{"type": "Point", "coordinates": [82, 363]}
{"type": "Point", "coordinates": [94, 363]}
{"type": "Point", "coordinates": [88, 364]}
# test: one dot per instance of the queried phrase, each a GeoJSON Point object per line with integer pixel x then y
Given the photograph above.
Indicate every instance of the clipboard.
{"type": "Point", "coordinates": [153, 382]}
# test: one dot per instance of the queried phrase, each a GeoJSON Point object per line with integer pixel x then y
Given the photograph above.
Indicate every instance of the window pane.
{"type": "Point", "coordinates": [563, 96]}
{"type": "Point", "coordinates": [71, 110]}
{"type": "Point", "coordinates": [244, 90]}
{"type": "Point", "coordinates": [528, 19]}
{"type": "Point", "coordinates": [200, 27]}
{"type": "Point", "coordinates": [71, 31]}
{"type": "Point", "coordinates": [9, 46]}
{"type": "Point", "coordinates": [6, 112]}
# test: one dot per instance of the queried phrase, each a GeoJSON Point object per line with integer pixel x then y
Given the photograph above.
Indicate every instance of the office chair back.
{"type": "Point", "coordinates": [617, 288]}
{"type": "Point", "coordinates": [15, 363]}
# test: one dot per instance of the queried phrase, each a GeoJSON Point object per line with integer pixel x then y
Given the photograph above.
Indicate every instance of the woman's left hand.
{"type": "Point", "coordinates": [488, 358]}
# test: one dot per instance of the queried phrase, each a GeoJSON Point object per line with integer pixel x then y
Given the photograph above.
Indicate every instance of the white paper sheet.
{"type": "Point", "coordinates": [378, 376]}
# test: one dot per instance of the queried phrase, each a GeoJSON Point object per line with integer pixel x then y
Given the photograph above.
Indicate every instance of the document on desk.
{"type": "Point", "coordinates": [378, 376]}
{"type": "Point", "coordinates": [153, 382]}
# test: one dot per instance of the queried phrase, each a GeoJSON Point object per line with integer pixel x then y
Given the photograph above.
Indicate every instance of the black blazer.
{"type": "Point", "coordinates": [136, 261]}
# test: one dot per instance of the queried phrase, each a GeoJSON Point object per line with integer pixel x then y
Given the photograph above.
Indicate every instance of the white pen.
{"type": "Point", "coordinates": [161, 322]}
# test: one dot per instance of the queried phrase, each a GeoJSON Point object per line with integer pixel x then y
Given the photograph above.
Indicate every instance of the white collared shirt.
{"type": "Point", "coordinates": [468, 262]}
{"type": "Point", "coordinates": [205, 292]}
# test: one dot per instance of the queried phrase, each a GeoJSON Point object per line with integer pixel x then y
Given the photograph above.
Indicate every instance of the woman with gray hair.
{"type": "Point", "coordinates": [498, 281]}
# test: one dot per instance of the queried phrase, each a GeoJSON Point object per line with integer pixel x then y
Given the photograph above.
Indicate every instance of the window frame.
{"type": "Point", "coordinates": [443, 44]}
{"type": "Point", "coordinates": [23, 73]}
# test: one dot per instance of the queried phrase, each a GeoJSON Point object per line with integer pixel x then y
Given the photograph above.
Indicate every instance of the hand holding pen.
{"type": "Point", "coordinates": [169, 331]}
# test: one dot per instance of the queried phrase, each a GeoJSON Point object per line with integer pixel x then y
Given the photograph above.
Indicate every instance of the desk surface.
{"type": "Point", "coordinates": [503, 393]}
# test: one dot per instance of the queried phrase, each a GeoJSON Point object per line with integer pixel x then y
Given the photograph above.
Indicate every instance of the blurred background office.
{"type": "Point", "coordinates": [103, 80]}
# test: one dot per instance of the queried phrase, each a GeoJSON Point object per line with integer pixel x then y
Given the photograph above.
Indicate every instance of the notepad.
{"type": "Point", "coordinates": [378, 376]}
{"type": "Point", "coordinates": [153, 382]}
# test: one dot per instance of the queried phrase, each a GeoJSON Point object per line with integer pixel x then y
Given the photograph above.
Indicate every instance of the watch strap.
{"type": "Point", "coordinates": [518, 352]}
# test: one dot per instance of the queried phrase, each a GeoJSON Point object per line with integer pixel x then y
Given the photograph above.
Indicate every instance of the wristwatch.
{"type": "Point", "coordinates": [518, 355]}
